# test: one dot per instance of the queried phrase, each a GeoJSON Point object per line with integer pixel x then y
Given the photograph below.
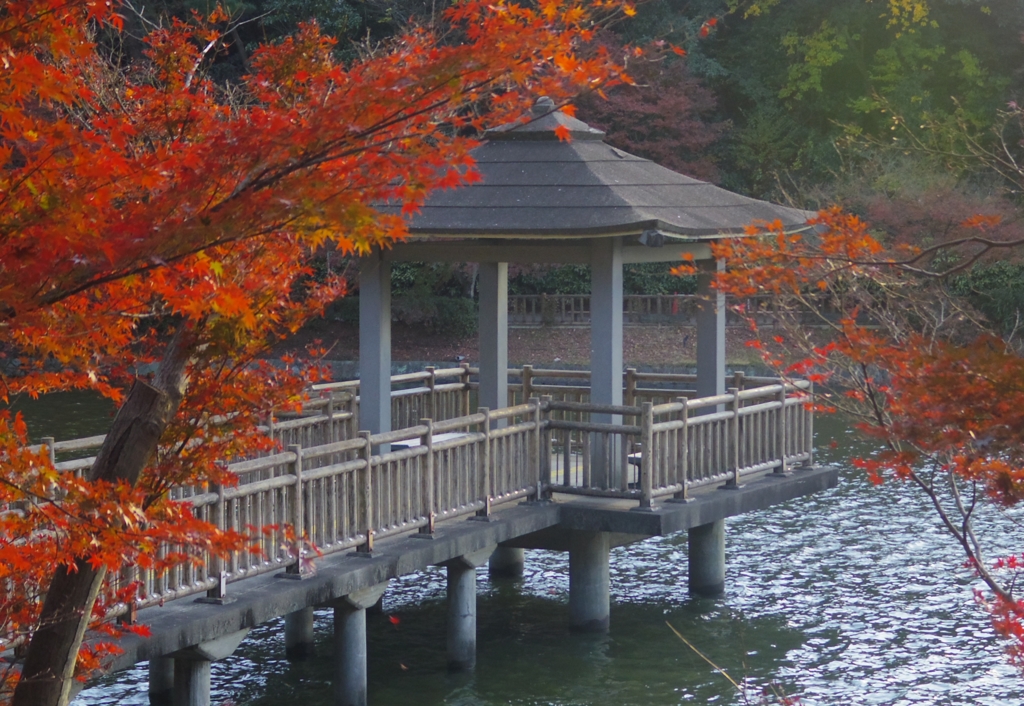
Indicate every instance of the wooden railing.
{"type": "Point", "coordinates": [671, 448]}
{"type": "Point", "coordinates": [345, 492]}
{"type": "Point", "coordinates": [574, 309]}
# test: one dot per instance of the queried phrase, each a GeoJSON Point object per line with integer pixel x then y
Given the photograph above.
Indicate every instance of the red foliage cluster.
{"type": "Point", "coordinates": [663, 116]}
{"type": "Point", "coordinates": [944, 396]}
{"type": "Point", "coordinates": [150, 217]}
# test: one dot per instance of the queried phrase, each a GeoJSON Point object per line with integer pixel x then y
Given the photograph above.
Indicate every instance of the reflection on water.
{"type": "Point", "coordinates": [65, 415]}
{"type": "Point", "coordinates": [853, 596]}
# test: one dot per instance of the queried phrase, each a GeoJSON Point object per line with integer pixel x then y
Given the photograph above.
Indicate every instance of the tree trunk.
{"type": "Point", "coordinates": [48, 673]}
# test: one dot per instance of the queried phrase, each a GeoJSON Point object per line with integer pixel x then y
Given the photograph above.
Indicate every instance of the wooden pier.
{"type": "Point", "coordinates": [538, 474]}
{"type": "Point", "coordinates": [382, 477]}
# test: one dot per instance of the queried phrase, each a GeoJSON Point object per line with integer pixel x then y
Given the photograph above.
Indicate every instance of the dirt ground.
{"type": "Point", "coordinates": [643, 345]}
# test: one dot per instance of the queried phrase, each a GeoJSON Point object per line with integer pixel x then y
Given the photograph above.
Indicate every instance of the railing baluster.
{"type": "Point", "coordinates": [533, 451]}
{"type": "Point", "coordinates": [735, 446]}
{"type": "Point", "coordinates": [297, 511]}
{"type": "Point", "coordinates": [215, 569]}
{"type": "Point", "coordinates": [684, 451]}
{"type": "Point", "coordinates": [585, 438]}
{"type": "Point", "coordinates": [545, 449]}
{"type": "Point", "coordinates": [809, 414]}
{"type": "Point", "coordinates": [366, 453]}
{"type": "Point", "coordinates": [761, 429]}
{"type": "Point", "coordinates": [647, 455]}
{"type": "Point", "coordinates": [488, 484]}
{"type": "Point", "coordinates": [567, 458]}
{"type": "Point", "coordinates": [780, 433]}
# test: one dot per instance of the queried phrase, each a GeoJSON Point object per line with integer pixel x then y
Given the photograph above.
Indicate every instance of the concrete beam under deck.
{"type": "Point", "coordinates": [707, 505]}
{"type": "Point", "coordinates": [183, 623]}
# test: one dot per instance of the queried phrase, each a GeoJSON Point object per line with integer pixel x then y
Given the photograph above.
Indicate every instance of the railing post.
{"type": "Point", "coordinates": [527, 378]}
{"type": "Point", "coordinates": [217, 594]}
{"type": "Point", "coordinates": [366, 453]}
{"type": "Point", "coordinates": [810, 426]}
{"type": "Point", "coordinates": [464, 378]}
{"type": "Point", "coordinates": [48, 442]}
{"type": "Point", "coordinates": [630, 395]}
{"type": "Point", "coordinates": [298, 520]}
{"type": "Point", "coordinates": [684, 452]}
{"type": "Point", "coordinates": [545, 447]}
{"type": "Point", "coordinates": [647, 455]}
{"type": "Point", "coordinates": [534, 461]}
{"type": "Point", "coordinates": [737, 379]}
{"type": "Point", "coordinates": [567, 457]}
{"type": "Point", "coordinates": [734, 446]}
{"type": "Point", "coordinates": [353, 409]}
{"type": "Point", "coordinates": [431, 385]}
{"type": "Point", "coordinates": [427, 441]}
{"type": "Point", "coordinates": [781, 431]}
{"type": "Point", "coordinates": [330, 437]}
{"type": "Point", "coordinates": [487, 489]}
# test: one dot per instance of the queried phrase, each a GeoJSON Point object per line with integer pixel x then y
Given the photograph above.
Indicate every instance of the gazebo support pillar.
{"type": "Point", "coordinates": [605, 350]}
{"type": "Point", "coordinates": [493, 336]}
{"type": "Point", "coordinates": [374, 343]}
{"type": "Point", "coordinates": [710, 331]}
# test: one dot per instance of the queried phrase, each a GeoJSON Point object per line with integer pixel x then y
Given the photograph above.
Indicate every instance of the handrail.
{"type": "Point", "coordinates": [336, 489]}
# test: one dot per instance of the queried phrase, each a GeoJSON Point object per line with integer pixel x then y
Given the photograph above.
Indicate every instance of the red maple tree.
{"type": "Point", "coordinates": [917, 367]}
{"type": "Point", "coordinates": [152, 219]}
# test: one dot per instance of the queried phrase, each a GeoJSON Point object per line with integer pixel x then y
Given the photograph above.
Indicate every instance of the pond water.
{"type": "Point", "coordinates": [855, 595]}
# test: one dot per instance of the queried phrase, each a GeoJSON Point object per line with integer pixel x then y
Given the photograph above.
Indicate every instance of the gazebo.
{"type": "Point", "coordinates": [547, 201]}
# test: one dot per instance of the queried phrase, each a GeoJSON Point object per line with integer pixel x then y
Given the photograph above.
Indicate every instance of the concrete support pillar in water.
{"type": "Point", "coordinates": [192, 668]}
{"type": "Point", "coordinates": [161, 681]}
{"type": "Point", "coordinates": [462, 608]}
{"type": "Point", "coordinates": [191, 682]}
{"type": "Point", "coordinates": [506, 562]}
{"type": "Point", "coordinates": [707, 559]}
{"type": "Point", "coordinates": [589, 595]}
{"type": "Point", "coordinates": [298, 634]}
{"type": "Point", "coordinates": [350, 645]}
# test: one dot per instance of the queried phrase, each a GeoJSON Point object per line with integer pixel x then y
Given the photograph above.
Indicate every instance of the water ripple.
{"type": "Point", "coordinates": [855, 595]}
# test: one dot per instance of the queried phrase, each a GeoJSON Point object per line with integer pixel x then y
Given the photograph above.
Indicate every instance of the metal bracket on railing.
{"type": "Point", "coordinates": [427, 530]}
{"type": "Point", "coordinates": [131, 617]}
{"type": "Point", "coordinates": [484, 513]}
{"type": "Point", "coordinates": [366, 548]}
{"type": "Point", "coordinates": [219, 593]}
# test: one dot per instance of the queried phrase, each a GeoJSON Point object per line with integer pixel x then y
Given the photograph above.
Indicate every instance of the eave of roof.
{"type": "Point", "coordinates": [537, 187]}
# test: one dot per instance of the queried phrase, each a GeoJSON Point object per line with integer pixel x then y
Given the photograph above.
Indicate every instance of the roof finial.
{"type": "Point", "coordinates": [543, 106]}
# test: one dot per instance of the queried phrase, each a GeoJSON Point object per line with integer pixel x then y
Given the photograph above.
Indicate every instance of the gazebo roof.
{"type": "Point", "coordinates": [537, 186]}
